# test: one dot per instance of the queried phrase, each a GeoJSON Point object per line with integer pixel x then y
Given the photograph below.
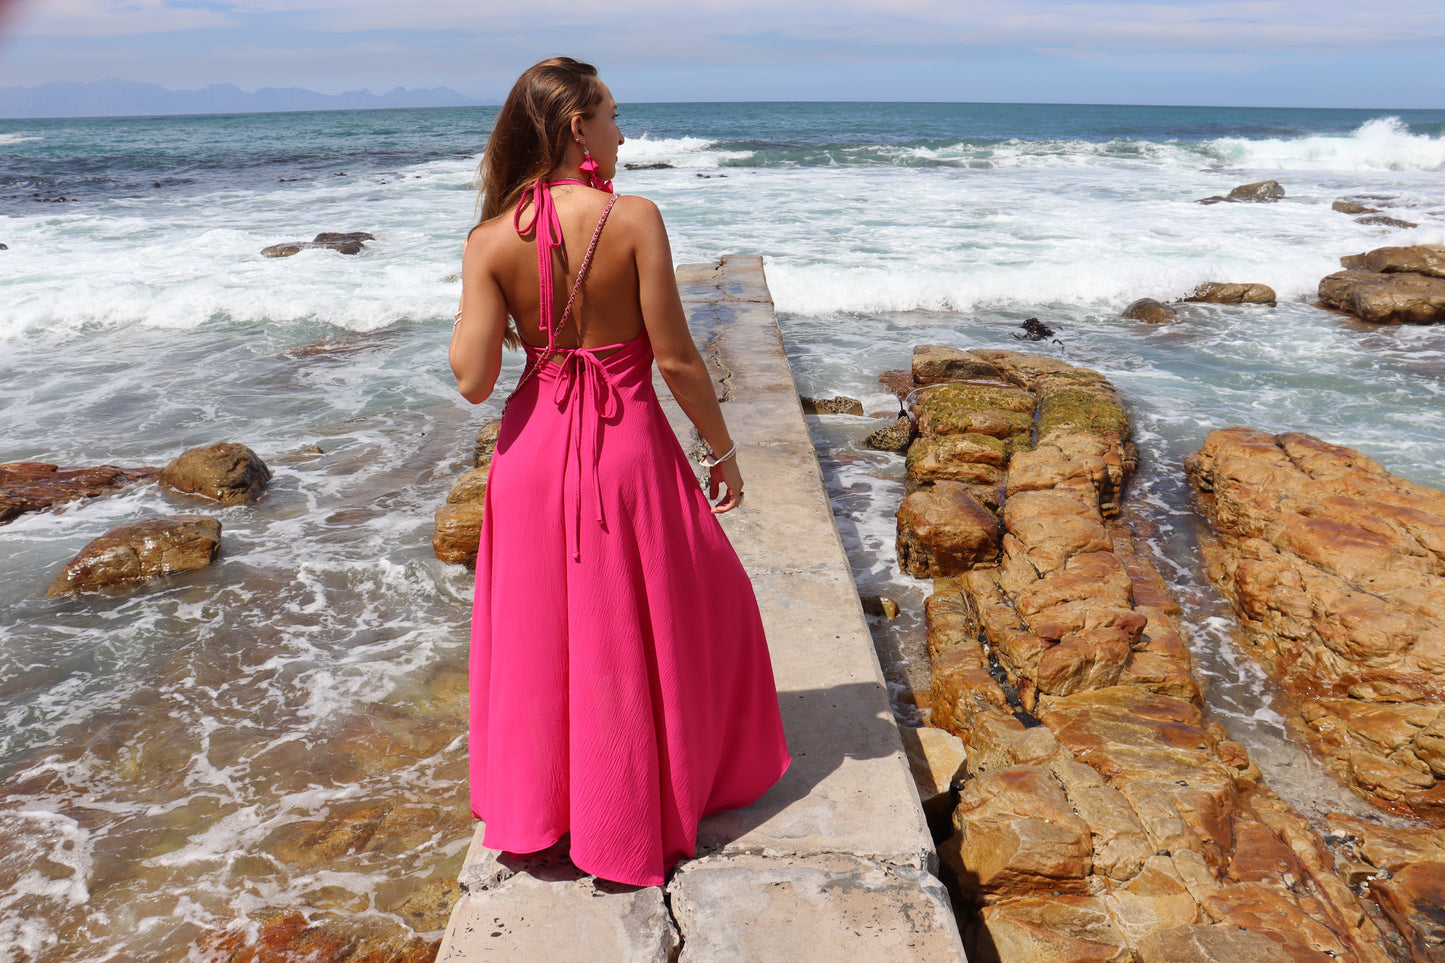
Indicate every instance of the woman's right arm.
{"type": "Point", "coordinates": [677, 356]}
{"type": "Point", "coordinates": [476, 349]}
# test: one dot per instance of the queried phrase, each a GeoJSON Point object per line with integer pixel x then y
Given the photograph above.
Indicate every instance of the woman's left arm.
{"type": "Point", "coordinates": [476, 349]}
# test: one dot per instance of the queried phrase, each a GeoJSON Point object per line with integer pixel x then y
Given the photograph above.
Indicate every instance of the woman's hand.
{"type": "Point", "coordinates": [727, 475]}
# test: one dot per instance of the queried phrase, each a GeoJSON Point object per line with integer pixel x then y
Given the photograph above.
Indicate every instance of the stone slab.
{"type": "Point", "coordinates": [545, 909]}
{"type": "Point", "coordinates": [819, 909]}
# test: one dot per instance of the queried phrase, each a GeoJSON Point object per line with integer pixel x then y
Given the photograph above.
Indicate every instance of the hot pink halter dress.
{"type": "Point", "coordinates": [620, 682]}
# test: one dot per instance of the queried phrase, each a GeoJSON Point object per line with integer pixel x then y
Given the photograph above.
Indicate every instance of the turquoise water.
{"type": "Point", "coordinates": [159, 749]}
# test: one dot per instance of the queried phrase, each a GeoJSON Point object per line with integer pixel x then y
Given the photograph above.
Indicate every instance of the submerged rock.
{"type": "Point", "coordinates": [30, 486]}
{"type": "Point", "coordinates": [347, 243]}
{"type": "Point", "coordinates": [1350, 207]}
{"type": "Point", "coordinates": [226, 472]}
{"type": "Point", "coordinates": [140, 551]}
{"type": "Point", "coordinates": [1380, 220]}
{"type": "Point", "coordinates": [1219, 292]}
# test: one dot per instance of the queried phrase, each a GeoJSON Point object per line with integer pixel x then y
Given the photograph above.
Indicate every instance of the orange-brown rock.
{"type": "Point", "coordinates": [1103, 817]}
{"type": "Point", "coordinates": [139, 551]}
{"type": "Point", "coordinates": [458, 523]}
{"type": "Point", "coordinates": [30, 486]}
{"type": "Point", "coordinates": [973, 459]}
{"type": "Point", "coordinates": [227, 472]}
{"type": "Point", "coordinates": [944, 530]}
{"type": "Point", "coordinates": [1337, 571]}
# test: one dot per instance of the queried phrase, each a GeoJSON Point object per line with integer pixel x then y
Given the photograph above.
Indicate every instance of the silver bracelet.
{"type": "Point", "coordinates": [712, 461]}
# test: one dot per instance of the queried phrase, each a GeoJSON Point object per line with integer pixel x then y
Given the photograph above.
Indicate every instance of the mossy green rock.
{"type": "Point", "coordinates": [1078, 410]}
{"type": "Point", "coordinates": [960, 409]}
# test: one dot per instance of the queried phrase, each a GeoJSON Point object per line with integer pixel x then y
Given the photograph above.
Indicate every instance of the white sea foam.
{"type": "Point", "coordinates": [1382, 144]}
{"type": "Point", "coordinates": [687, 152]}
{"type": "Point", "coordinates": [19, 137]}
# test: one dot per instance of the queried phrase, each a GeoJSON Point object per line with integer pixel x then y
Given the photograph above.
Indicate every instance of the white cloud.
{"type": "Point", "coordinates": [711, 30]}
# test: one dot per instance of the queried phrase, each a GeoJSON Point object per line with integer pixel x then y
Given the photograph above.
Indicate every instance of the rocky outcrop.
{"type": "Point", "coordinates": [1151, 311]}
{"type": "Point", "coordinates": [347, 243]}
{"type": "Point", "coordinates": [1102, 816]}
{"type": "Point", "coordinates": [894, 436]}
{"type": "Point", "coordinates": [31, 486]}
{"type": "Point", "coordinates": [1258, 192]}
{"type": "Point", "coordinates": [1390, 285]}
{"type": "Point", "coordinates": [229, 473]}
{"type": "Point", "coordinates": [840, 405]}
{"type": "Point", "coordinates": [140, 551]}
{"type": "Point", "coordinates": [1350, 207]}
{"type": "Point", "coordinates": [1218, 292]}
{"type": "Point", "coordinates": [1336, 569]}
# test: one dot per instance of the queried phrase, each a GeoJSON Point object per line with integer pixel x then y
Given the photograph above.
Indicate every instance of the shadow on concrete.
{"type": "Point", "coordinates": [825, 729]}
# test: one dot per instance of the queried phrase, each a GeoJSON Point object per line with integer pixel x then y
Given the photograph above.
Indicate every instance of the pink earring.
{"type": "Point", "coordinates": [589, 168]}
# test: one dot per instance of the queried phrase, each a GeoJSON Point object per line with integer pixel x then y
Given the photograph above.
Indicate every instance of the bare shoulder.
{"type": "Point", "coordinates": [486, 241]}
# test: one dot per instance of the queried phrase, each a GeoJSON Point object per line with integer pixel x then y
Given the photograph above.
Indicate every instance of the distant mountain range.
{"type": "Point", "coordinates": [111, 98]}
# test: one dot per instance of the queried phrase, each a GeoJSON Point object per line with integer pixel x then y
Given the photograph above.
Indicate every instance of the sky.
{"type": "Point", "coordinates": [1306, 53]}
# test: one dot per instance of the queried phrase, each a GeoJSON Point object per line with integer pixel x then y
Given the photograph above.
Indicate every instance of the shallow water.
{"type": "Point", "coordinates": [286, 729]}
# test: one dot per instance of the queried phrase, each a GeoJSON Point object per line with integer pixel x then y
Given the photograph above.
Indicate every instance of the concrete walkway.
{"type": "Point", "coordinates": [835, 862]}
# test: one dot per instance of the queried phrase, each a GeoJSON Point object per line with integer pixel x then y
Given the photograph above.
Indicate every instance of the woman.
{"type": "Point", "coordinates": [620, 682]}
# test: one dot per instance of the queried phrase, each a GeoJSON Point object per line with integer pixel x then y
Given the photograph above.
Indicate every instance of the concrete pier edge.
{"type": "Point", "coordinates": [835, 860]}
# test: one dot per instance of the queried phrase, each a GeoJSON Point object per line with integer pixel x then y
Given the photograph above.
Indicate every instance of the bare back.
{"type": "Point", "coordinates": [608, 308]}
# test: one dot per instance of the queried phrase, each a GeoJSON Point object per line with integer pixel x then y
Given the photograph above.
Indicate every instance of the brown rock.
{"type": "Point", "coordinates": [973, 459]}
{"type": "Point", "coordinates": [486, 443]}
{"type": "Point", "coordinates": [1055, 929]}
{"type": "Point", "coordinates": [933, 364]}
{"type": "Point", "coordinates": [1414, 898]}
{"type": "Point", "coordinates": [1150, 311]}
{"type": "Point", "coordinates": [347, 243]}
{"type": "Point", "coordinates": [944, 530]}
{"type": "Point", "coordinates": [458, 523]}
{"type": "Point", "coordinates": [898, 381]}
{"type": "Point", "coordinates": [1426, 259]}
{"type": "Point", "coordinates": [1386, 298]}
{"type": "Point", "coordinates": [894, 437]}
{"type": "Point", "coordinates": [225, 472]}
{"type": "Point", "coordinates": [30, 486]}
{"type": "Point", "coordinates": [1350, 207]}
{"type": "Point", "coordinates": [1216, 292]}
{"type": "Point", "coordinates": [1258, 191]}
{"type": "Point", "coordinates": [840, 405]}
{"type": "Point", "coordinates": [1017, 835]}
{"type": "Point", "coordinates": [1380, 220]}
{"type": "Point", "coordinates": [1210, 944]}
{"type": "Point", "coordinates": [139, 551]}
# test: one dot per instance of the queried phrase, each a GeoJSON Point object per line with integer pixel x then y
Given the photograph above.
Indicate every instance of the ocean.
{"type": "Point", "coordinates": [286, 731]}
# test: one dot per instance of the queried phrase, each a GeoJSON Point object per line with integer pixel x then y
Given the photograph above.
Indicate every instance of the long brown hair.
{"type": "Point", "coordinates": [529, 138]}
